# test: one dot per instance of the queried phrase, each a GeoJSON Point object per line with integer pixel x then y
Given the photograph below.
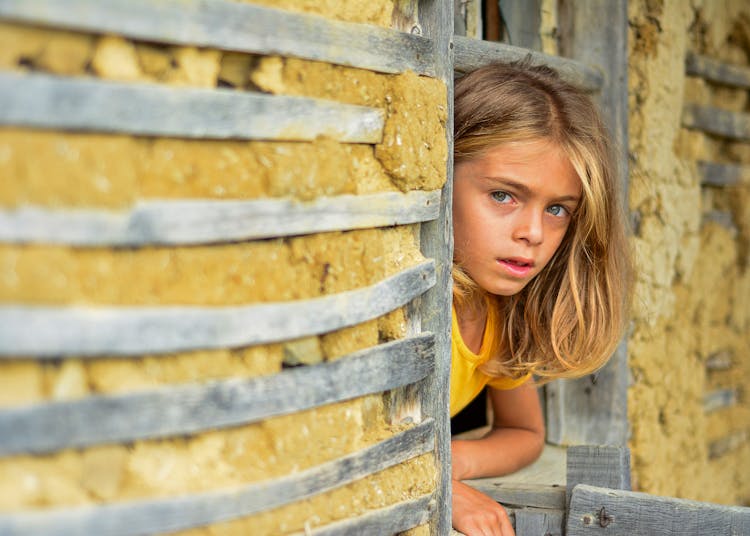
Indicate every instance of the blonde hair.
{"type": "Point", "coordinates": [568, 320]}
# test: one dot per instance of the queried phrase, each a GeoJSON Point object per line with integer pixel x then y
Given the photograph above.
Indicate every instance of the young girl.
{"type": "Point", "coordinates": [541, 263]}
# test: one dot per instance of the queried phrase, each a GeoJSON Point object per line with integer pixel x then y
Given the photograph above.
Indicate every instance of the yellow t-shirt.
{"type": "Point", "coordinates": [466, 381]}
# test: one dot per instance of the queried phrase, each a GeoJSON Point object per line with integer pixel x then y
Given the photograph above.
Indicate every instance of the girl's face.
{"type": "Point", "coordinates": [511, 209]}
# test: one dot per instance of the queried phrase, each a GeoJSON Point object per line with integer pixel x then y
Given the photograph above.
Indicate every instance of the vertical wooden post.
{"type": "Point", "coordinates": [593, 410]}
{"type": "Point", "coordinates": [604, 467]}
{"type": "Point", "coordinates": [436, 19]}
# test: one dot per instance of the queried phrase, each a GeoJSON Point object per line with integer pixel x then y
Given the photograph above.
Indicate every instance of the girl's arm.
{"type": "Point", "coordinates": [515, 440]}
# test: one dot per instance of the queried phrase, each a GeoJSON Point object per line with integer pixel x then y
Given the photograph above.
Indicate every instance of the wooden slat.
{"type": "Point", "coordinates": [436, 19]}
{"type": "Point", "coordinates": [86, 104]}
{"type": "Point", "coordinates": [722, 360]}
{"type": "Point", "coordinates": [474, 53]}
{"type": "Point", "coordinates": [192, 408]}
{"type": "Point", "coordinates": [604, 466]}
{"type": "Point", "coordinates": [728, 443]}
{"type": "Point", "coordinates": [539, 522]}
{"type": "Point", "coordinates": [725, 123]}
{"type": "Point", "coordinates": [625, 513]}
{"type": "Point", "coordinates": [47, 332]}
{"type": "Point", "coordinates": [172, 514]}
{"type": "Point", "coordinates": [715, 174]}
{"type": "Point", "coordinates": [719, 399]}
{"type": "Point", "coordinates": [210, 221]}
{"type": "Point", "coordinates": [521, 494]}
{"type": "Point", "coordinates": [391, 520]}
{"type": "Point", "coordinates": [234, 26]}
{"type": "Point", "coordinates": [721, 217]}
{"type": "Point", "coordinates": [717, 71]}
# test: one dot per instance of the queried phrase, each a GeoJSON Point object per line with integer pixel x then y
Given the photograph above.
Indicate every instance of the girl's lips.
{"type": "Point", "coordinates": [517, 267]}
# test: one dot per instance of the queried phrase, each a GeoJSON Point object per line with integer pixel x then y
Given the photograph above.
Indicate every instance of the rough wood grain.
{"type": "Point", "coordinates": [187, 409]}
{"type": "Point", "coordinates": [603, 466]}
{"type": "Point", "coordinates": [234, 26]}
{"type": "Point", "coordinates": [539, 522]}
{"type": "Point", "coordinates": [717, 71]}
{"type": "Point", "coordinates": [597, 510]}
{"type": "Point", "coordinates": [473, 53]}
{"type": "Point", "coordinates": [83, 104]}
{"type": "Point", "coordinates": [391, 520]}
{"type": "Point", "coordinates": [211, 221]}
{"type": "Point", "coordinates": [48, 332]}
{"type": "Point", "coordinates": [520, 494]}
{"type": "Point", "coordinates": [177, 513]}
{"type": "Point", "coordinates": [523, 19]}
{"type": "Point", "coordinates": [724, 123]}
{"type": "Point", "coordinates": [715, 174]}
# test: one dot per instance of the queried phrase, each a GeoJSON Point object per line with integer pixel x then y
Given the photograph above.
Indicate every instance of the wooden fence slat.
{"type": "Point", "coordinates": [51, 102]}
{"type": "Point", "coordinates": [172, 514]}
{"type": "Point", "coordinates": [721, 360]}
{"type": "Point", "coordinates": [521, 494]}
{"type": "Point", "coordinates": [728, 443]}
{"type": "Point", "coordinates": [234, 26]}
{"type": "Point", "coordinates": [725, 123]}
{"type": "Point", "coordinates": [192, 408]}
{"type": "Point", "coordinates": [715, 174]}
{"type": "Point", "coordinates": [391, 520]}
{"type": "Point", "coordinates": [719, 399]}
{"type": "Point", "coordinates": [596, 510]}
{"type": "Point", "coordinates": [605, 466]}
{"type": "Point", "coordinates": [539, 522]}
{"type": "Point", "coordinates": [46, 332]}
{"type": "Point", "coordinates": [720, 217]}
{"type": "Point", "coordinates": [212, 221]}
{"type": "Point", "coordinates": [470, 54]}
{"type": "Point", "coordinates": [717, 71]}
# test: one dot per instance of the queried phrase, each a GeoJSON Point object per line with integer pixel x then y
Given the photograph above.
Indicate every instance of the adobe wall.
{"type": "Point", "coordinates": [66, 170]}
{"type": "Point", "coordinates": [690, 326]}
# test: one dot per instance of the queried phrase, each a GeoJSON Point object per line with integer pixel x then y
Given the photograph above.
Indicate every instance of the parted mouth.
{"type": "Point", "coordinates": [519, 261]}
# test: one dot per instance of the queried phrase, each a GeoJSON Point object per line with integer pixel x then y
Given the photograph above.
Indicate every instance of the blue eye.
{"type": "Point", "coordinates": [501, 197]}
{"type": "Point", "coordinates": [558, 210]}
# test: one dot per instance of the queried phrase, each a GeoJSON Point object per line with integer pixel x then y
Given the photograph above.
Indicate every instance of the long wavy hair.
{"type": "Point", "coordinates": [568, 320]}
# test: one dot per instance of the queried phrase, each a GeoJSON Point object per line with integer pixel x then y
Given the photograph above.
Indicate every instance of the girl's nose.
{"type": "Point", "coordinates": [529, 226]}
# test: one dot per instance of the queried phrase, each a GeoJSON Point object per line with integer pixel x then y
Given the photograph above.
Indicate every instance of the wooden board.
{"type": "Point", "coordinates": [597, 510]}
{"type": "Point", "coordinates": [715, 174]}
{"type": "Point", "coordinates": [717, 71]}
{"type": "Point", "coordinates": [51, 332]}
{"type": "Point", "coordinates": [86, 104]}
{"type": "Point", "coordinates": [192, 408]}
{"type": "Point", "coordinates": [604, 466]}
{"type": "Point", "coordinates": [539, 522]}
{"type": "Point", "coordinates": [176, 513]}
{"type": "Point", "coordinates": [211, 221]}
{"type": "Point", "coordinates": [521, 494]}
{"type": "Point", "coordinates": [234, 26]}
{"type": "Point", "coordinates": [712, 120]}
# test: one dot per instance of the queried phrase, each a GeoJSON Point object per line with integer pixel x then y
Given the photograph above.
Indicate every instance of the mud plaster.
{"type": "Point", "coordinates": [692, 288]}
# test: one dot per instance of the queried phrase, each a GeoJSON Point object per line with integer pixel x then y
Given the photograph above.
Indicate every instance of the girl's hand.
{"type": "Point", "coordinates": [475, 514]}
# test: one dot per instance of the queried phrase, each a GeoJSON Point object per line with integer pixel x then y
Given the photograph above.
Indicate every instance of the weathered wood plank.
{"type": "Point", "coordinates": [177, 513]}
{"type": "Point", "coordinates": [436, 20]}
{"type": "Point", "coordinates": [212, 221]}
{"type": "Point", "coordinates": [187, 409]}
{"type": "Point", "coordinates": [595, 510]}
{"type": "Point", "coordinates": [602, 466]}
{"type": "Point", "coordinates": [722, 360]}
{"type": "Point", "coordinates": [717, 71]}
{"type": "Point", "coordinates": [474, 53]}
{"type": "Point", "coordinates": [539, 522]}
{"type": "Point", "coordinates": [728, 443]}
{"type": "Point", "coordinates": [521, 494]}
{"type": "Point", "coordinates": [234, 26]}
{"type": "Point", "coordinates": [523, 19]}
{"type": "Point", "coordinates": [720, 217]}
{"type": "Point", "coordinates": [720, 399]}
{"type": "Point", "coordinates": [391, 520]}
{"type": "Point", "coordinates": [46, 332]}
{"type": "Point", "coordinates": [714, 174]}
{"type": "Point", "coordinates": [50, 102]}
{"type": "Point", "coordinates": [724, 123]}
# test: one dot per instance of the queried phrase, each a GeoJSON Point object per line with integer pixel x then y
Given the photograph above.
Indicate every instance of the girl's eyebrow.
{"type": "Point", "coordinates": [525, 190]}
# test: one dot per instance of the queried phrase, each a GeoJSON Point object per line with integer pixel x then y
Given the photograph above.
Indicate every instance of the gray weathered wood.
{"type": "Point", "coordinates": [177, 513]}
{"type": "Point", "coordinates": [603, 466]}
{"type": "Point", "coordinates": [715, 174]}
{"type": "Point", "coordinates": [523, 19]}
{"type": "Point", "coordinates": [722, 360]}
{"type": "Point", "coordinates": [391, 520]}
{"type": "Point", "coordinates": [717, 71]}
{"type": "Point", "coordinates": [47, 332]}
{"type": "Point", "coordinates": [212, 221]}
{"type": "Point", "coordinates": [539, 522]}
{"type": "Point", "coordinates": [474, 53]}
{"type": "Point", "coordinates": [724, 123]}
{"type": "Point", "coordinates": [234, 26]}
{"type": "Point", "coordinates": [720, 217]}
{"type": "Point", "coordinates": [728, 443]}
{"type": "Point", "coordinates": [436, 19]}
{"type": "Point", "coordinates": [187, 409]}
{"type": "Point", "coordinates": [595, 510]}
{"type": "Point", "coordinates": [720, 399]}
{"type": "Point", "coordinates": [86, 104]}
{"type": "Point", "coordinates": [520, 494]}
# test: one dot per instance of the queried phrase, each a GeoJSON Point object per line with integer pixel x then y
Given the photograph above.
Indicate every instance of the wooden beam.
{"type": "Point", "coordinates": [712, 120]}
{"type": "Point", "coordinates": [717, 71]}
{"type": "Point", "coordinates": [720, 399]}
{"type": "Point", "coordinates": [596, 510]}
{"type": "Point", "coordinates": [722, 360]}
{"type": "Point", "coordinates": [234, 26]}
{"type": "Point", "coordinates": [603, 466]}
{"type": "Point", "coordinates": [159, 515]}
{"type": "Point", "coordinates": [391, 520]}
{"type": "Point", "coordinates": [85, 104]}
{"type": "Point", "coordinates": [539, 521]}
{"type": "Point", "coordinates": [212, 221]}
{"type": "Point", "coordinates": [474, 53]}
{"type": "Point", "coordinates": [722, 175]}
{"type": "Point", "coordinates": [51, 332]}
{"type": "Point", "coordinates": [720, 217]}
{"type": "Point", "coordinates": [521, 494]}
{"type": "Point", "coordinates": [192, 408]}
{"type": "Point", "coordinates": [728, 443]}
